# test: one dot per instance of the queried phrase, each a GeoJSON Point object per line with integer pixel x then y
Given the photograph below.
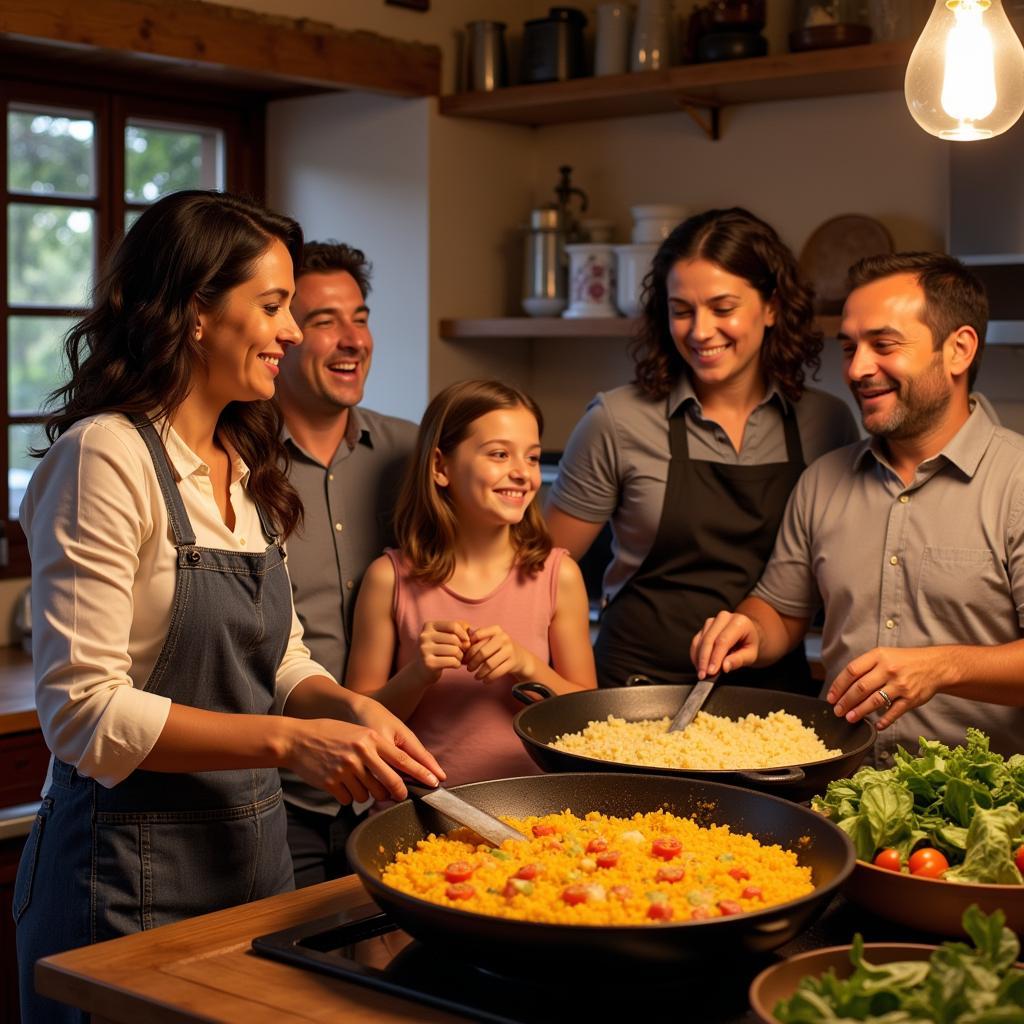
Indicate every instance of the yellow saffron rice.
{"type": "Point", "coordinates": [709, 743]}
{"type": "Point", "coordinates": [603, 870]}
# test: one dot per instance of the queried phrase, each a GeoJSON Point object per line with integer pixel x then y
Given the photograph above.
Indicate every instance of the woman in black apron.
{"type": "Point", "coordinates": [717, 425]}
{"type": "Point", "coordinates": [161, 503]}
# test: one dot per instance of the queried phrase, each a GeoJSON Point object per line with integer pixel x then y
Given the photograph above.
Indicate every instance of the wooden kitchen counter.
{"type": "Point", "coordinates": [204, 970]}
{"type": "Point", "coordinates": [17, 692]}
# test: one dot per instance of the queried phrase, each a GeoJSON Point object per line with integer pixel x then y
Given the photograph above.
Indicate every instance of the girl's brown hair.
{"type": "Point", "coordinates": [747, 247]}
{"type": "Point", "coordinates": [425, 521]}
{"type": "Point", "coordinates": [136, 351]}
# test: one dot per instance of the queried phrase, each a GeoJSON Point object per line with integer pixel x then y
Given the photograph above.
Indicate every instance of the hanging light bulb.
{"type": "Point", "coordinates": [965, 79]}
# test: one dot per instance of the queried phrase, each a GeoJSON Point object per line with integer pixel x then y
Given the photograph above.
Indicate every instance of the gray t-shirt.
{"type": "Point", "coordinates": [347, 524]}
{"type": "Point", "coordinates": [938, 562]}
{"type": "Point", "coordinates": [615, 465]}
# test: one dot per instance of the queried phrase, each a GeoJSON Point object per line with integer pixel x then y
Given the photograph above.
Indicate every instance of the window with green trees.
{"type": "Point", "coordinates": [79, 168]}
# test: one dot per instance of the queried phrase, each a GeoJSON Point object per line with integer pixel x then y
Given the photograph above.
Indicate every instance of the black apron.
{"type": "Point", "coordinates": [716, 532]}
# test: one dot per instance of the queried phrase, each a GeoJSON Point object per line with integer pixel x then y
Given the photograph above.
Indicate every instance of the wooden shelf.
{"type": "Point", "coordinates": [526, 327]}
{"type": "Point", "coordinates": [877, 67]}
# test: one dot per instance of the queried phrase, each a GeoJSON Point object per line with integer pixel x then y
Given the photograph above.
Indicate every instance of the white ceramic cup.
{"type": "Point", "coordinates": [611, 44]}
{"type": "Point", "coordinates": [631, 265]}
{"type": "Point", "coordinates": [655, 223]}
{"type": "Point", "coordinates": [591, 280]}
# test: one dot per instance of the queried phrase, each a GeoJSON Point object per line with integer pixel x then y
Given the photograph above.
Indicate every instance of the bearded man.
{"type": "Point", "coordinates": [912, 541]}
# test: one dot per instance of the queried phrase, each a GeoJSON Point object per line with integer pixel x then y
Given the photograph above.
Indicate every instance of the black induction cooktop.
{"type": "Point", "coordinates": [365, 947]}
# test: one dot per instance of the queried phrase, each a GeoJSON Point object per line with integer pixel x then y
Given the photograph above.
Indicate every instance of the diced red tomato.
{"type": "Point", "coordinates": [1018, 858]}
{"type": "Point", "coordinates": [888, 859]}
{"type": "Point", "coordinates": [729, 907]}
{"type": "Point", "coordinates": [670, 875]}
{"type": "Point", "coordinates": [598, 845]}
{"type": "Point", "coordinates": [528, 872]}
{"type": "Point", "coordinates": [752, 892]}
{"type": "Point", "coordinates": [660, 911]}
{"type": "Point", "coordinates": [574, 895]}
{"type": "Point", "coordinates": [740, 874]}
{"type": "Point", "coordinates": [621, 892]}
{"type": "Point", "coordinates": [458, 871]}
{"type": "Point", "coordinates": [666, 847]}
{"type": "Point", "coordinates": [543, 830]}
{"type": "Point", "coordinates": [700, 914]}
{"type": "Point", "coordinates": [460, 891]}
{"type": "Point", "coordinates": [608, 859]}
{"type": "Point", "coordinates": [927, 863]}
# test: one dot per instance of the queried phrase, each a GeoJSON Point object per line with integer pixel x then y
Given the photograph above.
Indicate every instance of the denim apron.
{"type": "Point", "coordinates": [160, 846]}
{"type": "Point", "coordinates": [717, 529]}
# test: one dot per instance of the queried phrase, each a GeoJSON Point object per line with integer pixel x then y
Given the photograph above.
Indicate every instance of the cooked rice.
{"type": "Point", "coordinates": [712, 872]}
{"type": "Point", "coordinates": [708, 743]}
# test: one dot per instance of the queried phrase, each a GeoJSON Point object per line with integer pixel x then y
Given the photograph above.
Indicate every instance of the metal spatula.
{"type": "Point", "coordinates": [688, 712]}
{"type": "Point", "coordinates": [492, 830]}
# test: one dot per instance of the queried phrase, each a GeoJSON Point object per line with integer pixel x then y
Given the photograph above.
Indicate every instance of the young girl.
{"type": "Point", "coordinates": [476, 599]}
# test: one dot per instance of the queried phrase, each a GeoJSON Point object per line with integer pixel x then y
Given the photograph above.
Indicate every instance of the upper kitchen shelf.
{"type": "Point", "coordinates": [526, 327]}
{"type": "Point", "coordinates": [876, 67]}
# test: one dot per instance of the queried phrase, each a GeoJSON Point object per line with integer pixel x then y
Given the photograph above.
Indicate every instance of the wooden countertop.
{"type": "Point", "coordinates": [204, 970]}
{"type": "Point", "coordinates": [17, 692]}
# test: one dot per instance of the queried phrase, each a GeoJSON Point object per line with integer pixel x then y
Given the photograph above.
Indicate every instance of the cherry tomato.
{"type": "Point", "coordinates": [666, 847]}
{"type": "Point", "coordinates": [740, 874]}
{"type": "Point", "coordinates": [700, 914]}
{"type": "Point", "coordinates": [1018, 858]}
{"type": "Point", "coordinates": [927, 863]}
{"type": "Point", "coordinates": [608, 859]}
{"type": "Point", "coordinates": [597, 845]}
{"type": "Point", "coordinates": [528, 872]}
{"type": "Point", "coordinates": [660, 911]}
{"type": "Point", "coordinates": [460, 891]}
{"type": "Point", "coordinates": [621, 892]}
{"type": "Point", "coordinates": [670, 875]}
{"type": "Point", "coordinates": [888, 859]}
{"type": "Point", "coordinates": [543, 830]}
{"type": "Point", "coordinates": [458, 871]}
{"type": "Point", "coordinates": [729, 907]}
{"type": "Point", "coordinates": [574, 895]}
{"type": "Point", "coordinates": [752, 892]}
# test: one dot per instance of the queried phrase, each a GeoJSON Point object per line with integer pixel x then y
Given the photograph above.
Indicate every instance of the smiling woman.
{"type": "Point", "coordinates": [166, 644]}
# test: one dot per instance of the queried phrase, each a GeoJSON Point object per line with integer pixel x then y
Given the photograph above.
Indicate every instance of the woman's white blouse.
{"type": "Point", "coordinates": [103, 572]}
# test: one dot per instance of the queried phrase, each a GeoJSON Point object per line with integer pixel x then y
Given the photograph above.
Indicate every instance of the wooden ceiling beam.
{"type": "Point", "coordinates": [212, 36]}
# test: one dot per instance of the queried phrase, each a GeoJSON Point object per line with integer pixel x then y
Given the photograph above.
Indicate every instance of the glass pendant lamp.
{"type": "Point", "coordinates": [965, 79]}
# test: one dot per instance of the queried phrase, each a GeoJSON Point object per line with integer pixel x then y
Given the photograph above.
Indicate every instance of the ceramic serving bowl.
{"type": "Point", "coordinates": [780, 980]}
{"type": "Point", "coordinates": [930, 904]}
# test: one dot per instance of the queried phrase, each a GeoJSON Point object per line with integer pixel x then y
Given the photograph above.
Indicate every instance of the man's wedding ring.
{"type": "Point", "coordinates": [886, 698]}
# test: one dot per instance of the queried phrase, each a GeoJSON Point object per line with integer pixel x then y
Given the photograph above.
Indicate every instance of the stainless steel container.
{"type": "Point", "coordinates": [486, 60]}
{"type": "Point", "coordinates": [545, 278]}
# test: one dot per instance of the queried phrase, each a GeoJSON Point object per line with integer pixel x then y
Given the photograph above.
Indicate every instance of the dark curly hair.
{"type": "Point", "coordinates": [747, 247]}
{"type": "Point", "coordinates": [136, 351]}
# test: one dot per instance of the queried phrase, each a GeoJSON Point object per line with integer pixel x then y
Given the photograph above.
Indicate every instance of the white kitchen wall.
{"type": "Point", "coordinates": [353, 167]}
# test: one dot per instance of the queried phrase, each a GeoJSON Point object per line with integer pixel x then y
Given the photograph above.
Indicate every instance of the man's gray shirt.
{"type": "Point", "coordinates": [940, 561]}
{"type": "Point", "coordinates": [347, 524]}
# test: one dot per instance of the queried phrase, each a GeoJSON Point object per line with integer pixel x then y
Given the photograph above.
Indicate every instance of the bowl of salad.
{"type": "Point", "coordinates": [954, 983]}
{"type": "Point", "coordinates": [939, 831]}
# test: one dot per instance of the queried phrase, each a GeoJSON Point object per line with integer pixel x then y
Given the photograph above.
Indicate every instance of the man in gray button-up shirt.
{"type": "Point", "coordinates": [913, 540]}
{"type": "Point", "coordinates": [346, 464]}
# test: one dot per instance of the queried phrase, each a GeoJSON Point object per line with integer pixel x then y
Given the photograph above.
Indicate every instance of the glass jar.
{"type": "Point", "coordinates": [820, 24]}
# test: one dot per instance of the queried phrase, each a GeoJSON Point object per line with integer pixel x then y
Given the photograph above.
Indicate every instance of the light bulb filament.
{"type": "Point", "coordinates": [969, 81]}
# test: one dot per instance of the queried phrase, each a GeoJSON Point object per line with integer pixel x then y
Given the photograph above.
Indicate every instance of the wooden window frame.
{"type": "Point", "coordinates": [113, 101]}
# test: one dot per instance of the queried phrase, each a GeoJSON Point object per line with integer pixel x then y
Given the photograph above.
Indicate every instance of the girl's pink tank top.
{"type": "Point", "coordinates": [467, 724]}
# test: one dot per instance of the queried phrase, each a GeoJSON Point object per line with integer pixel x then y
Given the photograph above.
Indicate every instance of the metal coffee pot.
{"type": "Point", "coordinates": [545, 274]}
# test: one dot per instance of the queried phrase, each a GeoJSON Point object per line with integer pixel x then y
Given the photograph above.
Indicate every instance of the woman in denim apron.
{"type": "Point", "coordinates": [165, 439]}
